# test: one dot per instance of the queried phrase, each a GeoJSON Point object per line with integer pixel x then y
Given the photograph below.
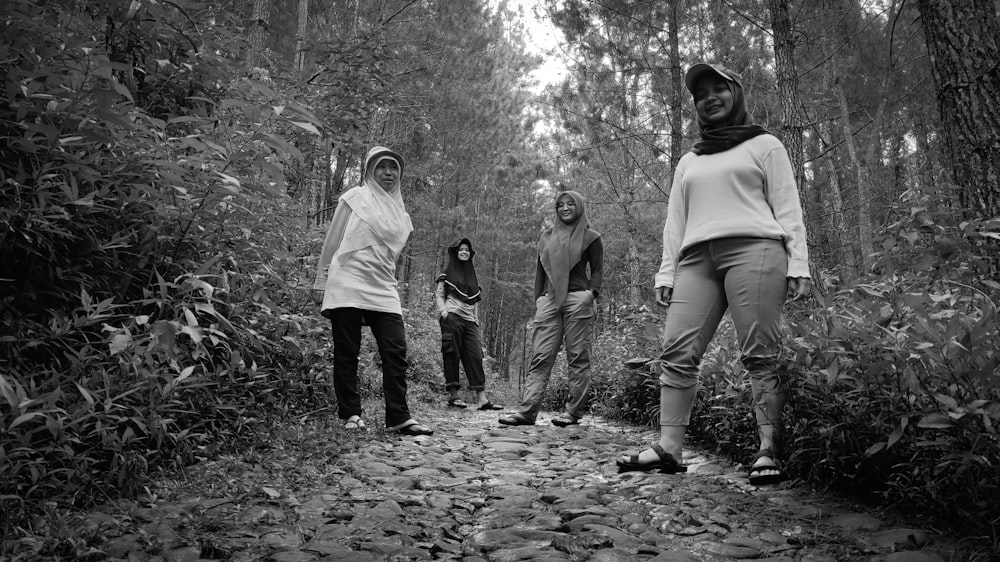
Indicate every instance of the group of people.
{"type": "Point", "coordinates": [734, 239]}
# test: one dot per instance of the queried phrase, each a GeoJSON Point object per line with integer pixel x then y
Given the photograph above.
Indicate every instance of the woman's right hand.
{"type": "Point", "coordinates": [663, 295]}
{"type": "Point", "coordinates": [444, 314]}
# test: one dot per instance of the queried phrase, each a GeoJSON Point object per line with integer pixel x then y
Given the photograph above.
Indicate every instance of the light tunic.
{"type": "Point", "coordinates": [356, 277]}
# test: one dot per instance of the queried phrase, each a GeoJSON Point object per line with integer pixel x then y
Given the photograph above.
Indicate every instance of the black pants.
{"type": "Point", "coordinates": [460, 341]}
{"type": "Point", "coordinates": [390, 335]}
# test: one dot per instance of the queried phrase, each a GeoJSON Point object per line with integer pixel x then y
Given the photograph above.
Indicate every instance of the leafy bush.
{"type": "Point", "coordinates": [146, 312]}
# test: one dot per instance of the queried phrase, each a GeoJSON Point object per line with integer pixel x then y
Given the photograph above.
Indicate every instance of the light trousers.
{"type": "Point", "coordinates": [746, 276]}
{"type": "Point", "coordinates": [574, 322]}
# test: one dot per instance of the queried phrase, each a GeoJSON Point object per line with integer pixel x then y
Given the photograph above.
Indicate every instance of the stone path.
{"type": "Point", "coordinates": [477, 491]}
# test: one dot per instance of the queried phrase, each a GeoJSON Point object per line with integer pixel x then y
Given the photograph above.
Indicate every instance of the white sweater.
{"type": "Point", "coordinates": [748, 190]}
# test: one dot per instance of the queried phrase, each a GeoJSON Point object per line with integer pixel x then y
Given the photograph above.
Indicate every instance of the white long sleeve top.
{"type": "Point", "coordinates": [366, 279]}
{"type": "Point", "coordinates": [748, 190]}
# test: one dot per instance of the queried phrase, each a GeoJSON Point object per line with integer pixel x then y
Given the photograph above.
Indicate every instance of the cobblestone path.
{"type": "Point", "coordinates": [477, 491]}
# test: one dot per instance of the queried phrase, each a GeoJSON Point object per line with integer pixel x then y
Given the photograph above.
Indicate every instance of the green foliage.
{"type": "Point", "coordinates": [147, 315]}
{"type": "Point", "coordinates": [897, 392]}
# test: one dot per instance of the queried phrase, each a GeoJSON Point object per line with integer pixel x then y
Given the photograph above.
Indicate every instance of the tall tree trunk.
{"type": "Point", "coordinates": [300, 41]}
{"type": "Point", "coordinates": [963, 40]}
{"type": "Point", "coordinates": [840, 235]}
{"type": "Point", "coordinates": [677, 88]}
{"type": "Point", "coordinates": [861, 182]}
{"type": "Point", "coordinates": [258, 32]}
{"type": "Point", "coordinates": [790, 131]}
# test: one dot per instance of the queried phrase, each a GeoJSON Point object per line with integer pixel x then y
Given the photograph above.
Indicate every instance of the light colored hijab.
{"type": "Point", "coordinates": [379, 216]}
{"type": "Point", "coordinates": [561, 247]}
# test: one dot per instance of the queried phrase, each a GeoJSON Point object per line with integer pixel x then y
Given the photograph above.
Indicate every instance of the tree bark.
{"type": "Point", "coordinates": [677, 88]}
{"type": "Point", "coordinates": [300, 40]}
{"type": "Point", "coordinates": [790, 130]}
{"type": "Point", "coordinates": [258, 31]}
{"type": "Point", "coordinates": [862, 185]}
{"type": "Point", "coordinates": [963, 40]}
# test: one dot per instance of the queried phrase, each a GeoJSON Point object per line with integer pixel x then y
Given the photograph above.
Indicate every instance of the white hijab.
{"type": "Point", "coordinates": [379, 217]}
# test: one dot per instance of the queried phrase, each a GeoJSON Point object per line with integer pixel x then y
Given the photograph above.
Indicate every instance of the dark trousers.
{"type": "Point", "coordinates": [390, 335]}
{"type": "Point", "coordinates": [460, 341]}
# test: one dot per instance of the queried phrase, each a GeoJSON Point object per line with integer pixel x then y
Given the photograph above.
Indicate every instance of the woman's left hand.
{"type": "Point", "coordinates": [799, 287]}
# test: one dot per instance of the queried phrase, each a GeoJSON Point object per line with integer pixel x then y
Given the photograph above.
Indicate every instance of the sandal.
{"type": "Point", "coordinates": [758, 479]}
{"type": "Point", "coordinates": [355, 422]}
{"type": "Point", "coordinates": [490, 406]}
{"type": "Point", "coordinates": [457, 403]}
{"type": "Point", "coordinates": [666, 464]}
{"type": "Point", "coordinates": [563, 420]}
{"type": "Point", "coordinates": [516, 419]}
{"type": "Point", "coordinates": [412, 427]}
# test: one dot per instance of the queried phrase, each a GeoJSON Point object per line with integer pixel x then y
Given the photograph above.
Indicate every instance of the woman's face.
{"type": "Point", "coordinates": [713, 99]}
{"type": "Point", "coordinates": [386, 173]}
{"type": "Point", "coordinates": [566, 209]}
{"type": "Point", "coordinates": [464, 253]}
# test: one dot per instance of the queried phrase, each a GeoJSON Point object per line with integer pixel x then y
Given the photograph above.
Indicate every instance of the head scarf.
{"type": "Point", "coordinates": [379, 216]}
{"type": "Point", "coordinates": [561, 247]}
{"type": "Point", "coordinates": [717, 137]}
{"type": "Point", "coordinates": [459, 276]}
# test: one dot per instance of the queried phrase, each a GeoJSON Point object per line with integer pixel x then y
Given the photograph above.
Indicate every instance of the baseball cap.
{"type": "Point", "coordinates": [702, 68]}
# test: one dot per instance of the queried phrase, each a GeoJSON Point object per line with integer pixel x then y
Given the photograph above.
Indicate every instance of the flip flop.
{"type": "Point", "coordinates": [490, 406]}
{"type": "Point", "coordinates": [563, 420]}
{"type": "Point", "coordinates": [666, 464]}
{"type": "Point", "coordinates": [516, 419]}
{"type": "Point", "coordinates": [355, 422]}
{"type": "Point", "coordinates": [412, 427]}
{"type": "Point", "coordinates": [763, 479]}
{"type": "Point", "coordinates": [457, 403]}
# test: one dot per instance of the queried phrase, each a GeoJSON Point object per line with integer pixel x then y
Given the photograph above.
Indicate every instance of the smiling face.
{"type": "Point", "coordinates": [463, 253]}
{"type": "Point", "coordinates": [566, 209]}
{"type": "Point", "coordinates": [713, 99]}
{"type": "Point", "coordinates": [386, 173]}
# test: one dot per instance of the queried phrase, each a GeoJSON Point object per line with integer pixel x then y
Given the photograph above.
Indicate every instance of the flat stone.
{"type": "Point", "coordinates": [292, 556]}
{"type": "Point", "coordinates": [855, 521]}
{"type": "Point", "coordinates": [914, 556]}
{"type": "Point", "coordinates": [675, 556]}
{"type": "Point", "coordinates": [733, 551]}
{"type": "Point", "coordinates": [497, 539]}
{"type": "Point", "coordinates": [895, 538]}
{"type": "Point", "coordinates": [505, 446]}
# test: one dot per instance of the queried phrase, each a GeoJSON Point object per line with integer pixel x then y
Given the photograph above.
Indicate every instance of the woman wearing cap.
{"type": "Point", "coordinates": [734, 239]}
{"type": "Point", "coordinates": [564, 308]}
{"type": "Point", "coordinates": [357, 274]}
{"type": "Point", "coordinates": [457, 296]}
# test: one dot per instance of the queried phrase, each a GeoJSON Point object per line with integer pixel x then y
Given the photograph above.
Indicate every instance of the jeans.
{"type": "Point", "coordinates": [573, 321]}
{"type": "Point", "coordinates": [747, 276]}
{"type": "Point", "coordinates": [460, 341]}
{"type": "Point", "coordinates": [390, 336]}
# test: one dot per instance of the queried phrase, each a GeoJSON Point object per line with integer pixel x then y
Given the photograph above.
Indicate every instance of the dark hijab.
{"type": "Point", "coordinates": [459, 276]}
{"type": "Point", "coordinates": [718, 137]}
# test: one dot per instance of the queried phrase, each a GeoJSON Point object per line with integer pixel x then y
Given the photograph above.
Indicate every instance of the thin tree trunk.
{"type": "Point", "coordinates": [677, 88]}
{"type": "Point", "coordinates": [861, 183]}
{"type": "Point", "coordinates": [300, 41]}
